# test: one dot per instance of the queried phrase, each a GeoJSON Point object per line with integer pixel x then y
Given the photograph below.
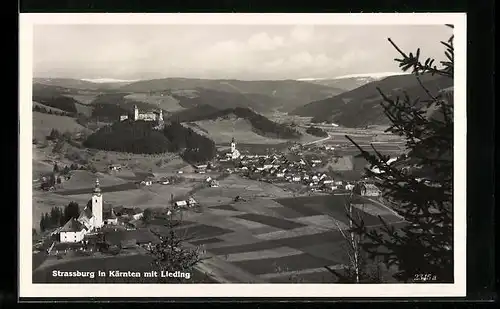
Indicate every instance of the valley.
{"type": "Point", "coordinates": [267, 163]}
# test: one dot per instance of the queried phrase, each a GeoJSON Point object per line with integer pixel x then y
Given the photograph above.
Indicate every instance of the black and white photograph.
{"type": "Point", "coordinates": [297, 154]}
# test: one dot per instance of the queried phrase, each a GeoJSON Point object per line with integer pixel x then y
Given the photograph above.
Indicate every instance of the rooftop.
{"type": "Point", "coordinates": [72, 226]}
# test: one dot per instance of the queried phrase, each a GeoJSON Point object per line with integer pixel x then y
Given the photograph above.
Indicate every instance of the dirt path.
{"type": "Point", "coordinates": [318, 141]}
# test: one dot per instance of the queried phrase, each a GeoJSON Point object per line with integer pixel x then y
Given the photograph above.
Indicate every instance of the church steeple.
{"type": "Point", "coordinates": [97, 189]}
{"type": "Point", "coordinates": [97, 205]}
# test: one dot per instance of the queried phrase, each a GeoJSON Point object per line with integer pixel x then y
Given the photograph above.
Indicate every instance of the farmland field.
{"type": "Point", "coordinates": [84, 109]}
{"type": "Point", "coordinates": [86, 179]}
{"type": "Point", "coordinates": [130, 194]}
{"type": "Point", "coordinates": [165, 102]}
{"type": "Point", "coordinates": [84, 99]}
{"type": "Point", "coordinates": [44, 123]}
{"type": "Point", "coordinates": [332, 205]}
{"type": "Point", "coordinates": [223, 130]}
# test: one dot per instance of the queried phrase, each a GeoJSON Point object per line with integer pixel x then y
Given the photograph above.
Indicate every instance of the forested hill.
{"type": "Point", "coordinates": [129, 136]}
{"type": "Point", "coordinates": [361, 106]}
{"type": "Point", "coordinates": [140, 137]}
{"type": "Point", "coordinates": [261, 125]}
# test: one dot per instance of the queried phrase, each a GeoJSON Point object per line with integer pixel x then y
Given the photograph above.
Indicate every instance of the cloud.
{"type": "Point", "coordinates": [308, 60]}
{"type": "Point", "coordinates": [302, 33]}
{"type": "Point", "coordinates": [246, 52]}
{"type": "Point", "coordinates": [263, 41]}
{"type": "Point", "coordinates": [274, 64]}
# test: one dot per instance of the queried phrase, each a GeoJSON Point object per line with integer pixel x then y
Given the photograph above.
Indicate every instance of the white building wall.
{"type": "Point", "coordinates": [72, 236]}
{"type": "Point", "coordinates": [97, 210]}
{"type": "Point", "coordinates": [137, 216]}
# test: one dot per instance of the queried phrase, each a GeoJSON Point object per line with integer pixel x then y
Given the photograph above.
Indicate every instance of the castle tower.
{"type": "Point", "coordinates": [97, 205]}
{"type": "Point", "coordinates": [136, 113]}
{"type": "Point", "coordinates": [233, 145]}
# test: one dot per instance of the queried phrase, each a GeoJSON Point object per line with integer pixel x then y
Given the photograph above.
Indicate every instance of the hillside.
{"type": "Point", "coordinates": [361, 106]}
{"type": "Point", "coordinates": [224, 100]}
{"type": "Point", "coordinates": [350, 82]}
{"type": "Point", "coordinates": [44, 123]}
{"type": "Point", "coordinates": [193, 113]}
{"type": "Point", "coordinates": [347, 84]}
{"type": "Point", "coordinates": [221, 131]}
{"type": "Point", "coordinates": [283, 94]}
{"type": "Point", "coordinates": [62, 98]}
{"type": "Point", "coordinates": [260, 124]}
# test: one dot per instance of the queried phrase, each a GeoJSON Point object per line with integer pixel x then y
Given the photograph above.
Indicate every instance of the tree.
{"type": "Point", "coordinates": [43, 224]}
{"type": "Point", "coordinates": [171, 253]}
{"type": "Point", "coordinates": [52, 179]}
{"type": "Point", "coordinates": [357, 269]}
{"type": "Point", "coordinates": [56, 168]}
{"type": "Point", "coordinates": [54, 135]}
{"type": "Point", "coordinates": [72, 210]}
{"type": "Point", "coordinates": [147, 216]}
{"type": "Point", "coordinates": [55, 217]}
{"type": "Point", "coordinates": [58, 147]}
{"type": "Point", "coordinates": [66, 170]}
{"type": "Point", "coordinates": [66, 135]}
{"type": "Point", "coordinates": [420, 186]}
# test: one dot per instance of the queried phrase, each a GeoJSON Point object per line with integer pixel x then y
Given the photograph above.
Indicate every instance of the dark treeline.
{"type": "Point", "coordinates": [193, 146]}
{"type": "Point", "coordinates": [58, 217]}
{"type": "Point", "coordinates": [317, 132]}
{"type": "Point", "coordinates": [129, 136]}
{"type": "Point", "coordinates": [108, 112]}
{"type": "Point", "coordinates": [64, 103]}
{"type": "Point", "coordinates": [42, 109]}
{"type": "Point", "coordinates": [261, 125]}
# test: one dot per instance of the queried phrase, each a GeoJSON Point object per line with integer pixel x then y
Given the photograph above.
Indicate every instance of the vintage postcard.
{"type": "Point", "coordinates": [242, 155]}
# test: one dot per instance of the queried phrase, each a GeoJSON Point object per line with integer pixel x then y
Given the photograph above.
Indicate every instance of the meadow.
{"type": "Point", "coordinates": [164, 102]}
{"type": "Point", "coordinates": [44, 123]}
{"type": "Point", "coordinates": [223, 130]}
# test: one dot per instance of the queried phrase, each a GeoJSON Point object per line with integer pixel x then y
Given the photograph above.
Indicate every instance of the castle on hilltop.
{"type": "Point", "coordinates": [146, 116]}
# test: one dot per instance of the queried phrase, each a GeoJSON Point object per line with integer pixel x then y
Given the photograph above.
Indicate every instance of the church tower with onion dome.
{"type": "Point", "coordinates": [97, 205]}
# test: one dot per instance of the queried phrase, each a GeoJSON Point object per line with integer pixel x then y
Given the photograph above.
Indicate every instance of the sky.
{"type": "Point", "coordinates": [246, 52]}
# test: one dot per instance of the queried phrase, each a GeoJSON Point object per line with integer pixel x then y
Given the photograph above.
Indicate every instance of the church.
{"type": "Point", "coordinates": [89, 220]}
{"type": "Point", "coordinates": [234, 153]}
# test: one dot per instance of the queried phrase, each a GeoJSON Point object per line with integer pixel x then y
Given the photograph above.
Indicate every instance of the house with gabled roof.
{"type": "Point", "coordinates": [72, 231]}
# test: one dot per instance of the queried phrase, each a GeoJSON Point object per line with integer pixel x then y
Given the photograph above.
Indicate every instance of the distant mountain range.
{"type": "Point", "coordinates": [361, 106]}
{"type": "Point", "coordinates": [351, 100]}
{"type": "Point", "coordinates": [81, 84]}
{"type": "Point", "coordinates": [284, 95]}
{"type": "Point", "coordinates": [350, 82]}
